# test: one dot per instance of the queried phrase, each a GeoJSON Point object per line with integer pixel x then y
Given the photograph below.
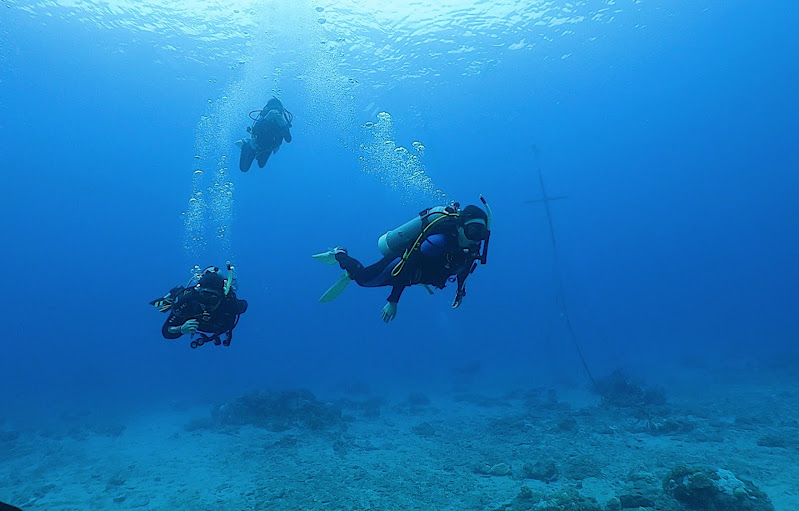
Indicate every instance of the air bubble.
{"type": "Point", "coordinates": [395, 166]}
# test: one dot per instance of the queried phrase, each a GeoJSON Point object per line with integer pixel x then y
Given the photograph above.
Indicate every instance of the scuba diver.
{"type": "Point", "coordinates": [267, 133]}
{"type": "Point", "coordinates": [209, 307]}
{"type": "Point", "coordinates": [440, 245]}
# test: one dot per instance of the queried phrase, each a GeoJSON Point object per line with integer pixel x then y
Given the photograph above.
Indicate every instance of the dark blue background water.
{"type": "Point", "coordinates": [676, 144]}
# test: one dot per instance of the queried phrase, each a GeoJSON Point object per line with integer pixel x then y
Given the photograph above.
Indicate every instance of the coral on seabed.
{"type": "Point", "coordinates": [617, 389]}
{"type": "Point", "coordinates": [278, 411]}
{"type": "Point", "coordinates": [706, 489]}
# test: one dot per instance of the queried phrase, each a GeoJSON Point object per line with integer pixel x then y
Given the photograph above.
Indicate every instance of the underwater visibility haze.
{"type": "Point", "coordinates": [634, 327]}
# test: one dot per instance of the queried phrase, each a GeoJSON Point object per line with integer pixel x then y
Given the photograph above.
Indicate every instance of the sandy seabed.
{"type": "Point", "coordinates": [459, 451]}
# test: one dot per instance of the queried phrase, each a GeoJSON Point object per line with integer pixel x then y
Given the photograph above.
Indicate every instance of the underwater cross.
{"type": "Point", "coordinates": [545, 199]}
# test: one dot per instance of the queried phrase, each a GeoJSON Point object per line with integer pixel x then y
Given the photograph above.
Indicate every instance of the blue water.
{"type": "Point", "coordinates": [671, 127]}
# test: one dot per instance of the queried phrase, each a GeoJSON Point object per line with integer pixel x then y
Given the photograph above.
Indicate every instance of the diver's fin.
{"type": "Point", "coordinates": [8, 507]}
{"type": "Point", "coordinates": [328, 257]}
{"type": "Point", "coordinates": [262, 158]}
{"type": "Point", "coordinates": [247, 156]}
{"type": "Point", "coordinates": [336, 289]}
{"type": "Point", "coordinates": [162, 304]}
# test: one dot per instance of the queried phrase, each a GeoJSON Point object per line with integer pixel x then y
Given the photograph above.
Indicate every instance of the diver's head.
{"type": "Point", "coordinates": [274, 104]}
{"type": "Point", "coordinates": [473, 226]}
{"type": "Point", "coordinates": [212, 281]}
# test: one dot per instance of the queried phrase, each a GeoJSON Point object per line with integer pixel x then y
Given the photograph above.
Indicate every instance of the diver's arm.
{"type": "Point", "coordinates": [461, 292]}
{"type": "Point", "coordinates": [176, 324]}
{"type": "Point", "coordinates": [175, 331]}
{"type": "Point", "coordinates": [170, 330]}
{"type": "Point", "coordinates": [389, 311]}
{"type": "Point", "coordinates": [396, 292]}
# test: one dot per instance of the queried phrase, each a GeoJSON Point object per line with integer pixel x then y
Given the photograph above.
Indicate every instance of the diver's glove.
{"type": "Point", "coordinates": [459, 298]}
{"type": "Point", "coordinates": [189, 327]}
{"type": "Point", "coordinates": [389, 311]}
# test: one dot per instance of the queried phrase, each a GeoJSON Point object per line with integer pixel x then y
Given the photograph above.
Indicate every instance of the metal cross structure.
{"type": "Point", "coordinates": [545, 200]}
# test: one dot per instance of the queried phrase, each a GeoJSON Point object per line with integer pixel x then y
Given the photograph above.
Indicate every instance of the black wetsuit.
{"type": "Point", "coordinates": [438, 258]}
{"type": "Point", "coordinates": [268, 133]}
{"type": "Point", "coordinates": [215, 316]}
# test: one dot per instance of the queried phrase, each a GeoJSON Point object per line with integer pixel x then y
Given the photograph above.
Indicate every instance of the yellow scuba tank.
{"type": "Point", "coordinates": [397, 241]}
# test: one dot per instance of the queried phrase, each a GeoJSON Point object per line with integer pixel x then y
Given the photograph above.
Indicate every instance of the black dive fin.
{"type": "Point", "coordinates": [247, 156]}
{"type": "Point", "coordinates": [263, 157]}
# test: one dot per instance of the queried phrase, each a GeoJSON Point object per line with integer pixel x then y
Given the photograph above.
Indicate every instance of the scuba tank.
{"type": "Point", "coordinates": [397, 241]}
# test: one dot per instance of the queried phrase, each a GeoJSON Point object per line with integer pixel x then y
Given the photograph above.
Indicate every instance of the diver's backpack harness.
{"type": "Point", "coordinates": [442, 215]}
{"type": "Point", "coordinates": [260, 115]}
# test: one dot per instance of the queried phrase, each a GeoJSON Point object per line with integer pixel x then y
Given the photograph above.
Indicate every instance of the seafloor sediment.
{"type": "Point", "coordinates": [525, 449]}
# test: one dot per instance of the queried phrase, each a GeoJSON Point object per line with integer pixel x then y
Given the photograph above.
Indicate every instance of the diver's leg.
{"type": "Point", "coordinates": [263, 157]}
{"type": "Point", "coordinates": [375, 275]}
{"type": "Point", "coordinates": [247, 156]}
